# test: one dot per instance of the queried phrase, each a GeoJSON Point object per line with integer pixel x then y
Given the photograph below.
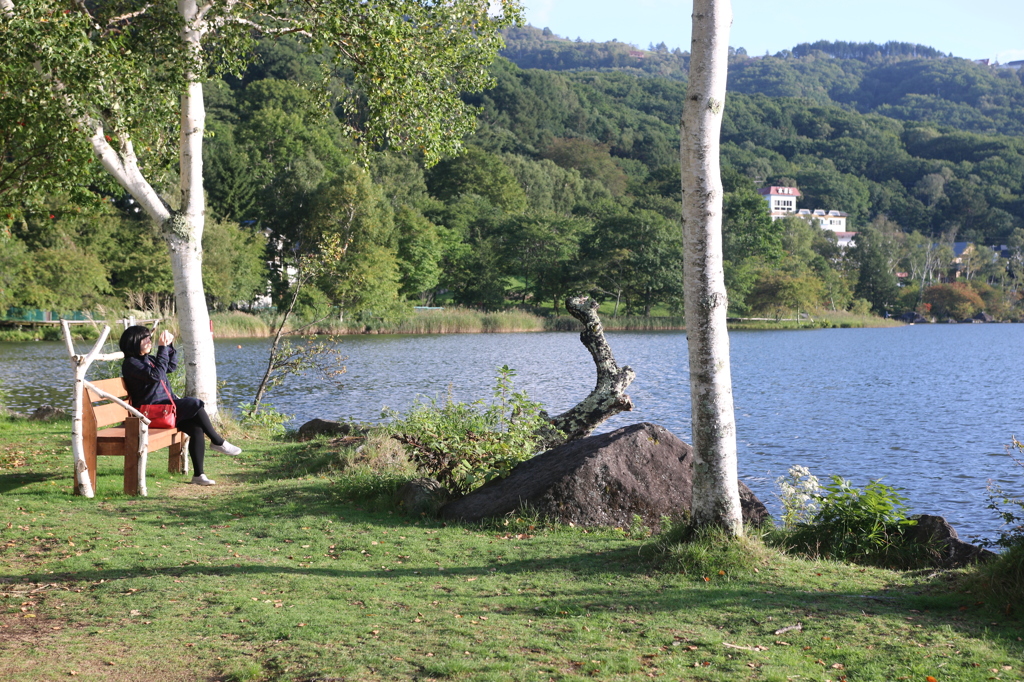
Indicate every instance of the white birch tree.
{"type": "Point", "coordinates": [716, 498]}
{"type": "Point", "coordinates": [126, 73]}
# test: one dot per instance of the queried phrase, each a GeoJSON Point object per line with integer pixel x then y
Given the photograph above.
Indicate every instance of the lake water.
{"type": "Point", "coordinates": [928, 408]}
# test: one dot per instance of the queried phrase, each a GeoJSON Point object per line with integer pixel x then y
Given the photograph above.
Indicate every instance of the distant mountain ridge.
{"type": "Point", "coordinates": [905, 81]}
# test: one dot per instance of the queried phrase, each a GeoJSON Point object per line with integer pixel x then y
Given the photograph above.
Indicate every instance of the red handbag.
{"type": "Point", "coordinates": [162, 416]}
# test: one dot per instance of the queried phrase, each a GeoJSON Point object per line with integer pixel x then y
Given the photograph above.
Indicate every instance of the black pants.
{"type": "Point", "coordinates": [197, 427]}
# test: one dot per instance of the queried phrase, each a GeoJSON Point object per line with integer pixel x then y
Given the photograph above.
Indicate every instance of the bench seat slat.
{"type": "Point", "coordinates": [158, 439]}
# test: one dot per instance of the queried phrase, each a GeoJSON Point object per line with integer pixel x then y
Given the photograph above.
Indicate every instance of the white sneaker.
{"type": "Point", "coordinates": [201, 479]}
{"type": "Point", "coordinates": [227, 448]}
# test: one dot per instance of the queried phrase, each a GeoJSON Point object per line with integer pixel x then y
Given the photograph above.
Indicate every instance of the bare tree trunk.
{"type": "Point", "coordinates": [272, 360]}
{"type": "Point", "coordinates": [608, 397]}
{"type": "Point", "coordinates": [716, 498]}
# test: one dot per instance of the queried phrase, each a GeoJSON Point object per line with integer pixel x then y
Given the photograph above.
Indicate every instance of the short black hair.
{"type": "Point", "coordinates": [131, 340]}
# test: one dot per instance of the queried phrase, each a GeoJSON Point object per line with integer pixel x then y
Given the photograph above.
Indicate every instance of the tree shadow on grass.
{"type": "Point", "coordinates": [725, 604]}
{"type": "Point", "coordinates": [13, 481]}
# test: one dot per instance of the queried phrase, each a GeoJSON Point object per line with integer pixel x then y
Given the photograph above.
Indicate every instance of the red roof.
{"type": "Point", "coordinates": [781, 191]}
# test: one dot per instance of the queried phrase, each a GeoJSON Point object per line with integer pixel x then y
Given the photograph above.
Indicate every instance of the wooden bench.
{"type": "Point", "coordinates": [123, 440]}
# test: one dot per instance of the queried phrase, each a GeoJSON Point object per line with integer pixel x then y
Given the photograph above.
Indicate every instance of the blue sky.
{"type": "Point", "coordinates": [993, 29]}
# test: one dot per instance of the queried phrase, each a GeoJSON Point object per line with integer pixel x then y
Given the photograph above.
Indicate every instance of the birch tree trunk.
{"type": "Point", "coordinates": [716, 498]}
{"type": "Point", "coordinates": [184, 232]}
{"type": "Point", "coordinates": [181, 229]}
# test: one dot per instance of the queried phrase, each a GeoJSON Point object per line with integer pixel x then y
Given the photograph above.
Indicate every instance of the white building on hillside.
{"type": "Point", "coordinates": [782, 203]}
{"type": "Point", "coordinates": [781, 200]}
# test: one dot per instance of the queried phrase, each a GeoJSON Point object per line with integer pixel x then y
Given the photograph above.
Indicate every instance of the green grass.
{"type": "Point", "coordinates": [829, 320]}
{"type": "Point", "coordinates": [295, 567]}
{"type": "Point", "coordinates": [454, 320]}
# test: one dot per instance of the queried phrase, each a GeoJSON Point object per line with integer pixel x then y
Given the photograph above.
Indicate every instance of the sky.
{"type": "Point", "coordinates": [993, 29]}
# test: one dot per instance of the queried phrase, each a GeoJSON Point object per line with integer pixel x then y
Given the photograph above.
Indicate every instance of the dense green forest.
{"type": "Point", "coordinates": [571, 184]}
{"type": "Point", "coordinates": [900, 80]}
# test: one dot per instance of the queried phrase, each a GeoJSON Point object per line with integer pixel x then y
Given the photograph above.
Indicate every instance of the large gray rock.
{"type": "Point", "coordinates": [322, 427]}
{"type": "Point", "coordinates": [943, 543]}
{"type": "Point", "coordinates": [602, 480]}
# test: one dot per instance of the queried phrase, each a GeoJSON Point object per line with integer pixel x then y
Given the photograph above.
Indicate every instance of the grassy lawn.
{"type": "Point", "coordinates": [273, 575]}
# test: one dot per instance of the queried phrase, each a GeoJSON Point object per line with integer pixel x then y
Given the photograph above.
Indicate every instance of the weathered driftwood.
{"type": "Point", "coordinates": [608, 397]}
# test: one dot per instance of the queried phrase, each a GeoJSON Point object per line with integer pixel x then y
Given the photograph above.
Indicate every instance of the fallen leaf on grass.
{"type": "Point", "coordinates": [838, 666]}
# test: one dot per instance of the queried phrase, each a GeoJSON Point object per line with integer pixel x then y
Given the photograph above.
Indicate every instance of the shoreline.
{"type": "Point", "coordinates": [239, 325]}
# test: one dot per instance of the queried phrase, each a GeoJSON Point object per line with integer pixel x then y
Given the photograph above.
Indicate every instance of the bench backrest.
{"type": "Point", "coordinates": [105, 411]}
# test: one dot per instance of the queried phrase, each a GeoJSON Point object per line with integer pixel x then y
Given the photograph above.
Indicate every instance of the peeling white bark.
{"type": "Point", "coordinates": [123, 166]}
{"type": "Point", "coordinates": [184, 231]}
{"type": "Point", "coordinates": [715, 489]}
{"type": "Point", "coordinates": [143, 456]}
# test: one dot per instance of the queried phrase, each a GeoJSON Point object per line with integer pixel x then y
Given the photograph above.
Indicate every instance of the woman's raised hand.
{"type": "Point", "coordinates": [166, 338]}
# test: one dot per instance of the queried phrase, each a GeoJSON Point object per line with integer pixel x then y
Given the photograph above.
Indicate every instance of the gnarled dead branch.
{"type": "Point", "coordinates": [608, 397]}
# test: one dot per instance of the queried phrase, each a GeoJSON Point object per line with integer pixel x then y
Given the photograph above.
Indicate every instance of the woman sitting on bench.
{"type": "Point", "coordinates": [145, 378]}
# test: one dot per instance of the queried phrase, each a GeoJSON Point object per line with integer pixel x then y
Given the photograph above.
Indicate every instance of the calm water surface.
{"type": "Point", "coordinates": [928, 408]}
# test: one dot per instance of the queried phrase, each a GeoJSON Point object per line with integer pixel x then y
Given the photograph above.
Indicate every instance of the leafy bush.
{"type": "Point", "coordinates": [266, 419]}
{"type": "Point", "coordinates": [865, 526]}
{"type": "Point", "coordinates": [1009, 509]}
{"type": "Point", "coordinates": [1003, 578]}
{"type": "Point", "coordinates": [464, 445]}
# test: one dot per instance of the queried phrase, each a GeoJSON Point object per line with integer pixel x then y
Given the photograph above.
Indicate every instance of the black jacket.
{"type": "Point", "coordinates": [142, 377]}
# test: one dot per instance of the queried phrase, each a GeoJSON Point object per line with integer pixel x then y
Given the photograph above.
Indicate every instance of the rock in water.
{"type": "Point", "coordinates": [322, 427]}
{"type": "Point", "coordinates": [601, 480]}
{"type": "Point", "coordinates": [48, 413]}
{"type": "Point", "coordinates": [944, 544]}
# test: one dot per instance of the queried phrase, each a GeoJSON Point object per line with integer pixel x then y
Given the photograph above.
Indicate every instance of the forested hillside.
{"type": "Point", "coordinates": [571, 184]}
{"type": "Point", "coordinates": [900, 80]}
